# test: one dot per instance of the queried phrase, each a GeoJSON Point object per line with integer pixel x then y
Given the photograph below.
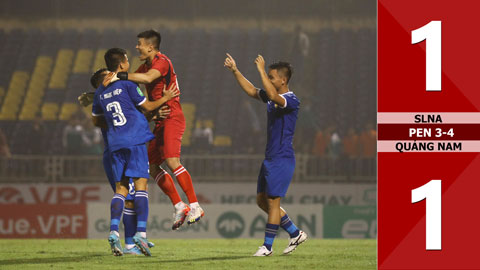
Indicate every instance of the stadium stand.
{"type": "Point", "coordinates": [43, 72]}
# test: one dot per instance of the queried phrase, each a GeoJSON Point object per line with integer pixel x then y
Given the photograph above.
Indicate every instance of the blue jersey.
{"type": "Point", "coordinates": [127, 126]}
{"type": "Point", "coordinates": [280, 125]}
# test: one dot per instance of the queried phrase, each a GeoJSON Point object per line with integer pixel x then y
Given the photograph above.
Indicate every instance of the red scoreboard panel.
{"type": "Point", "coordinates": [428, 134]}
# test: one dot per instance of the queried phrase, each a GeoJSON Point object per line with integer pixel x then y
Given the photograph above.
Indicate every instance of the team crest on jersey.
{"type": "Point", "coordinates": [139, 91]}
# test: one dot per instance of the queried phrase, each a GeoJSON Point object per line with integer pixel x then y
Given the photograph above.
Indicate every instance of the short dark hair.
{"type": "Point", "coordinates": [153, 37]}
{"type": "Point", "coordinates": [284, 67]}
{"type": "Point", "coordinates": [113, 58]}
{"type": "Point", "coordinates": [97, 78]}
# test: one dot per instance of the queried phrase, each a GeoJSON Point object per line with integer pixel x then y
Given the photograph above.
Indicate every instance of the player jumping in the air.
{"type": "Point", "coordinates": [277, 169]}
{"type": "Point", "coordinates": [115, 107]}
{"type": "Point", "coordinates": [156, 73]}
{"type": "Point", "coordinates": [129, 214]}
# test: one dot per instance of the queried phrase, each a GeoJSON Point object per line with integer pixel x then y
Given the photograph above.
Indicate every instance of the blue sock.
{"type": "Point", "coordinates": [287, 224]}
{"type": "Point", "coordinates": [141, 207]}
{"type": "Point", "coordinates": [116, 210]}
{"type": "Point", "coordinates": [270, 233]}
{"type": "Point", "coordinates": [130, 223]}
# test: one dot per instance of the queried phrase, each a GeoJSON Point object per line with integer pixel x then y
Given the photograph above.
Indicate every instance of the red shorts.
{"type": "Point", "coordinates": [168, 140]}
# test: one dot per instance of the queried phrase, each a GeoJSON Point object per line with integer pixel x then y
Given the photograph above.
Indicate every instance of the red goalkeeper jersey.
{"type": "Point", "coordinates": [155, 89]}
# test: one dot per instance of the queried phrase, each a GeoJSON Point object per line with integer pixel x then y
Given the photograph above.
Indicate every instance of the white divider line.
{"type": "Point", "coordinates": [447, 117]}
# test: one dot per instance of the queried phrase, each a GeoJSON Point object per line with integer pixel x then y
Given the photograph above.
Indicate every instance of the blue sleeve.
{"type": "Point", "coordinates": [291, 101]}
{"type": "Point", "coordinates": [97, 106]}
{"type": "Point", "coordinates": [135, 93]}
{"type": "Point", "coordinates": [263, 95]}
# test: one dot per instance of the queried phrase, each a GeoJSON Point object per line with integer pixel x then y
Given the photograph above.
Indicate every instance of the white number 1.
{"type": "Point", "coordinates": [432, 192]}
{"type": "Point", "coordinates": [432, 33]}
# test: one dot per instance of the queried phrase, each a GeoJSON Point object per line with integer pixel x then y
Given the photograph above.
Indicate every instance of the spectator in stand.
{"type": "Point", "coordinates": [94, 139]}
{"type": "Point", "coordinates": [306, 127]}
{"type": "Point", "coordinates": [37, 131]}
{"type": "Point", "coordinates": [299, 52]}
{"type": "Point", "coordinates": [368, 141]}
{"type": "Point", "coordinates": [320, 143]}
{"type": "Point", "coordinates": [74, 137]}
{"type": "Point", "coordinates": [4, 149]}
{"type": "Point", "coordinates": [202, 136]}
{"type": "Point", "coordinates": [334, 147]}
{"type": "Point", "coordinates": [351, 146]}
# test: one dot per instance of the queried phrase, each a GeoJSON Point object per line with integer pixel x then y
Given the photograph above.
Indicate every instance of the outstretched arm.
{"type": "Point", "coordinates": [272, 93]}
{"type": "Point", "coordinates": [246, 85]}
{"type": "Point", "coordinates": [145, 78]}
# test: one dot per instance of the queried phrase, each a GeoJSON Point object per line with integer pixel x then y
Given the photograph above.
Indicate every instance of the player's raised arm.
{"type": "Point", "coordinates": [245, 84]}
{"type": "Point", "coordinates": [172, 92]}
{"type": "Point", "coordinates": [272, 93]}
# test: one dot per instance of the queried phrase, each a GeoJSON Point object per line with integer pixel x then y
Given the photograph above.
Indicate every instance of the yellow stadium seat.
{"type": "Point", "coordinates": [67, 110]}
{"type": "Point", "coordinates": [2, 94]}
{"type": "Point", "coordinates": [14, 95]}
{"type": "Point", "coordinates": [222, 140]}
{"type": "Point", "coordinates": [83, 61]}
{"type": "Point", "coordinates": [99, 61]}
{"type": "Point", "coordinates": [36, 88]}
{"type": "Point", "coordinates": [49, 111]}
{"type": "Point", "coordinates": [61, 69]}
{"type": "Point", "coordinates": [189, 112]}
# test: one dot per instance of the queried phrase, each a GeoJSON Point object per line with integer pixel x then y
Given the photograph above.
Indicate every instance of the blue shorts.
{"type": "Point", "coordinates": [130, 162]}
{"type": "Point", "coordinates": [107, 165]}
{"type": "Point", "coordinates": [275, 176]}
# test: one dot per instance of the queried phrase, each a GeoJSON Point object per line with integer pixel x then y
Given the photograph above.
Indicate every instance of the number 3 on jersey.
{"type": "Point", "coordinates": [118, 116]}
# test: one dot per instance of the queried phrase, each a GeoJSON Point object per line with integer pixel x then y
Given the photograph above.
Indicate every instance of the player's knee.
{"type": "Point", "coordinates": [273, 201]}
{"type": "Point", "coordinates": [261, 202]}
{"type": "Point", "coordinates": [129, 204]}
{"type": "Point", "coordinates": [140, 184]}
{"type": "Point", "coordinates": [154, 170]}
{"type": "Point", "coordinates": [120, 188]}
{"type": "Point", "coordinates": [173, 163]}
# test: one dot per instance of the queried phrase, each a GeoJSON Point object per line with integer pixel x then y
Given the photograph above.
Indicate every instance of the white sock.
{"type": "Point", "coordinates": [194, 205]}
{"type": "Point", "coordinates": [129, 246]}
{"type": "Point", "coordinates": [143, 234]}
{"type": "Point", "coordinates": [115, 232]}
{"type": "Point", "coordinates": [180, 205]}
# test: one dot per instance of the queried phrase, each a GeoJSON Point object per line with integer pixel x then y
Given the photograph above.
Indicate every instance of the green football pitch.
{"type": "Point", "coordinates": [188, 254]}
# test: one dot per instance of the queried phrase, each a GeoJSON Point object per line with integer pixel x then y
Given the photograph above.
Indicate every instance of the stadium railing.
{"type": "Point", "coordinates": [204, 168]}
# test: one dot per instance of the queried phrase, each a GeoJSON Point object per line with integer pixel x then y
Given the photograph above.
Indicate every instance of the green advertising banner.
{"type": "Point", "coordinates": [350, 222]}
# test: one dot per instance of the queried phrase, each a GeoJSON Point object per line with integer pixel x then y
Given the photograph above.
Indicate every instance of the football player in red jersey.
{"type": "Point", "coordinates": [155, 73]}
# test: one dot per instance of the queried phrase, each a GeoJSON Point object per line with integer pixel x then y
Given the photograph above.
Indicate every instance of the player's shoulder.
{"type": "Point", "coordinates": [291, 95]}
{"type": "Point", "coordinates": [99, 90]}
{"type": "Point", "coordinates": [161, 59]}
{"type": "Point", "coordinates": [123, 84]}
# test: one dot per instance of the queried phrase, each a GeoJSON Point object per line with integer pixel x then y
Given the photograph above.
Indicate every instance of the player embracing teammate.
{"type": "Point", "coordinates": [116, 109]}
{"type": "Point", "coordinates": [156, 73]}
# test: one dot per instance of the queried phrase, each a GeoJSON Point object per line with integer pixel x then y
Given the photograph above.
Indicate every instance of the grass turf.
{"type": "Point", "coordinates": [187, 254]}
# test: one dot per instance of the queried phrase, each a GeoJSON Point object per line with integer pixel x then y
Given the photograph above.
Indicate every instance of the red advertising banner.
{"type": "Point", "coordinates": [428, 134]}
{"type": "Point", "coordinates": [52, 194]}
{"type": "Point", "coordinates": [43, 221]}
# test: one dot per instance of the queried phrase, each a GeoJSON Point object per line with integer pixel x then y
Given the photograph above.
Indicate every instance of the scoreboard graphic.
{"type": "Point", "coordinates": [428, 134]}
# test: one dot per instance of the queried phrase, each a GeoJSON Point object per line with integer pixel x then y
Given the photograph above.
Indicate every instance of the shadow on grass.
{"type": "Point", "coordinates": [83, 257]}
{"type": "Point", "coordinates": [208, 259]}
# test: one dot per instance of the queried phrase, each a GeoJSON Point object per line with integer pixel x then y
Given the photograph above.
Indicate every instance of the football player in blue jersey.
{"type": "Point", "coordinates": [277, 169]}
{"type": "Point", "coordinates": [116, 108]}
{"type": "Point", "coordinates": [129, 216]}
